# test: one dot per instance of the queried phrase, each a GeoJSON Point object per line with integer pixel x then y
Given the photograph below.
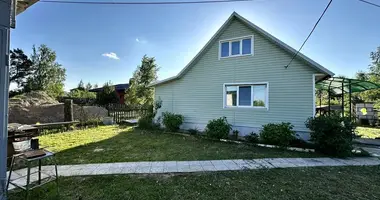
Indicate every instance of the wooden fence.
{"type": "Point", "coordinates": [121, 112]}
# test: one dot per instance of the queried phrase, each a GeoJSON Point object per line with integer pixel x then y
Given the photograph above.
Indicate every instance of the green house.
{"type": "Point", "coordinates": [240, 74]}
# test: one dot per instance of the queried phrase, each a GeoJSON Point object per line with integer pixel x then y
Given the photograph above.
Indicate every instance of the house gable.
{"type": "Point", "coordinates": [249, 27]}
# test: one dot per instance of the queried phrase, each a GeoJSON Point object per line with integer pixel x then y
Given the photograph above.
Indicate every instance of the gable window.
{"type": "Point", "coordinates": [225, 49]}
{"type": "Point", "coordinates": [254, 95]}
{"type": "Point", "coordinates": [236, 47]}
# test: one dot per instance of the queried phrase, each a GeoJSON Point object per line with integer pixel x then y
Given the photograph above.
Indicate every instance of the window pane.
{"type": "Point", "coordinates": [225, 49]}
{"type": "Point", "coordinates": [231, 96]}
{"type": "Point", "coordinates": [244, 95]}
{"type": "Point", "coordinates": [259, 93]}
{"type": "Point", "coordinates": [235, 49]}
{"type": "Point", "coordinates": [247, 44]}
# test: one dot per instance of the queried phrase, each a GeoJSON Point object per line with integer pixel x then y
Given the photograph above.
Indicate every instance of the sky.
{"type": "Point", "coordinates": [100, 43]}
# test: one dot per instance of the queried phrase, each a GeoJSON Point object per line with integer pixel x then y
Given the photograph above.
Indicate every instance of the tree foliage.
{"type": "Point", "coordinates": [39, 72]}
{"type": "Point", "coordinates": [108, 95]}
{"type": "Point", "coordinates": [82, 91]}
{"type": "Point", "coordinates": [45, 74]}
{"type": "Point", "coordinates": [21, 67]}
{"type": "Point", "coordinates": [80, 85]}
{"type": "Point", "coordinates": [139, 93]}
{"type": "Point", "coordinates": [372, 75]}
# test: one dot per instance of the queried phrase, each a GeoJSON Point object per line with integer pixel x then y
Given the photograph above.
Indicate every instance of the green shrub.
{"type": "Point", "coordinates": [172, 121]}
{"type": "Point", "coordinates": [145, 122]}
{"type": "Point", "coordinates": [218, 128]}
{"type": "Point", "coordinates": [277, 134]}
{"type": "Point", "coordinates": [332, 135]}
{"type": "Point", "coordinates": [252, 138]}
{"type": "Point", "coordinates": [193, 131]}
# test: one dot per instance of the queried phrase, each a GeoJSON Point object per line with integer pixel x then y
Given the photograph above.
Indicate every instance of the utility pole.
{"type": "Point", "coordinates": [5, 22]}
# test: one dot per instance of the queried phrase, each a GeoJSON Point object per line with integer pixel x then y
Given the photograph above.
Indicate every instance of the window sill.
{"type": "Point", "coordinates": [245, 107]}
{"type": "Point", "coordinates": [240, 55]}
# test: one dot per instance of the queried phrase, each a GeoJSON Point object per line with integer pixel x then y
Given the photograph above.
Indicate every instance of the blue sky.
{"type": "Point", "coordinates": [84, 35]}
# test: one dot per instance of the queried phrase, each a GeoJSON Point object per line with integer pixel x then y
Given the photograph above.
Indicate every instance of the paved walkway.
{"type": "Point", "coordinates": [191, 166]}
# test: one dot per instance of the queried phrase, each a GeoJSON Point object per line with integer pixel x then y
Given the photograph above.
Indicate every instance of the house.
{"type": "Point", "coordinates": [119, 88]}
{"type": "Point", "coordinates": [241, 74]}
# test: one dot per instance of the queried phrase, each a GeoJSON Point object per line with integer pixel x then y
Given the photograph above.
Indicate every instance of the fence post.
{"type": "Point", "coordinates": [68, 110]}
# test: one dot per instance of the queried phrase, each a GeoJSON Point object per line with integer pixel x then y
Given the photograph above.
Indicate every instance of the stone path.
{"type": "Point", "coordinates": [190, 166]}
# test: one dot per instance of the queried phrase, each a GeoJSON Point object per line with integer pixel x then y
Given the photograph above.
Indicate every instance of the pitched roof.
{"type": "Point", "coordinates": [257, 29]}
{"type": "Point", "coordinates": [118, 87]}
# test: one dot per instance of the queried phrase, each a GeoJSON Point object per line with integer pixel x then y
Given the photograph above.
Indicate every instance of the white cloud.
{"type": "Point", "coordinates": [139, 40]}
{"type": "Point", "coordinates": [111, 55]}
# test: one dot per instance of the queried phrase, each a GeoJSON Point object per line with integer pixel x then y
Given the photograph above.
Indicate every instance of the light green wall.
{"type": "Point", "coordinates": [198, 95]}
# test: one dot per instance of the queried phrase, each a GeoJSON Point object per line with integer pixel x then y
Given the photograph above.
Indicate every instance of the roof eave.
{"type": "Point", "coordinates": [22, 5]}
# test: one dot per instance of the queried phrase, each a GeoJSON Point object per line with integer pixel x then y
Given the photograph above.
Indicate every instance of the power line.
{"type": "Point", "coordinates": [311, 32]}
{"type": "Point", "coordinates": [142, 3]}
{"type": "Point", "coordinates": [370, 3]}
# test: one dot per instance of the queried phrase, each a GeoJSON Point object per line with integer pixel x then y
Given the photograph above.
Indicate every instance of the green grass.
{"type": "Point", "coordinates": [368, 132]}
{"type": "Point", "coordinates": [115, 144]}
{"type": "Point", "coordinates": [293, 183]}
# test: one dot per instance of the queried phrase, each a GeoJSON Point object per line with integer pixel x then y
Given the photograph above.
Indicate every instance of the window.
{"type": "Point", "coordinates": [246, 95]}
{"type": "Point", "coordinates": [225, 49]}
{"type": "Point", "coordinates": [236, 47]}
{"type": "Point", "coordinates": [247, 46]}
{"type": "Point", "coordinates": [231, 94]}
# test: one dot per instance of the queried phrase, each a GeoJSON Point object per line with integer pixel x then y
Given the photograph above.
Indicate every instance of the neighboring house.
{"type": "Point", "coordinates": [119, 88]}
{"type": "Point", "coordinates": [241, 74]}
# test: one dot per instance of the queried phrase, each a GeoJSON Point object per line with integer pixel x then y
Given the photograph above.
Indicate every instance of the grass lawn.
{"type": "Point", "coordinates": [115, 144]}
{"type": "Point", "coordinates": [292, 183]}
{"type": "Point", "coordinates": [368, 132]}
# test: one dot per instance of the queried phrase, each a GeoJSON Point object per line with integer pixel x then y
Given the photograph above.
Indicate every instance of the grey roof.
{"type": "Point", "coordinates": [281, 44]}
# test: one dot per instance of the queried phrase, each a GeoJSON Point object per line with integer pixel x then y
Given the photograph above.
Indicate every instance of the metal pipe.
{"type": "Point", "coordinates": [350, 98]}
{"type": "Point", "coordinates": [329, 95]}
{"type": "Point", "coordinates": [343, 98]}
{"type": "Point", "coordinates": [5, 19]}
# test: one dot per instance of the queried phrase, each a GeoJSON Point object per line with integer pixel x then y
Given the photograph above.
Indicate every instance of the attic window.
{"type": "Point", "coordinates": [236, 47]}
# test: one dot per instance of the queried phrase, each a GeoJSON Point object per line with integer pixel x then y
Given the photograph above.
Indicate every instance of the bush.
{"type": "Point", "coordinates": [172, 121]}
{"type": "Point", "coordinates": [193, 131]}
{"type": "Point", "coordinates": [218, 128]}
{"type": "Point", "coordinates": [277, 134]}
{"type": "Point", "coordinates": [332, 134]}
{"type": "Point", "coordinates": [252, 138]}
{"type": "Point", "coordinates": [145, 122]}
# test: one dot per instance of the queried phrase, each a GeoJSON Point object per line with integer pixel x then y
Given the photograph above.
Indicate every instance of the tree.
{"type": "Point", "coordinates": [48, 75]}
{"type": "Point", "coordinates": [95, 85]}
{"type": "Point", "coordinates": [80, 85]}
{"type": "Point", "coordinates": [21, 67]}
{"type": "Point", "coordinates": [108, 95]}
{"type": "Point", "coordinates": [88, 86]}
{"type": "Point", "coordinates": [373, 75]}
{"type": "Point", "coordinates": [82, 91]}
{"type": "Point", "coordinates": [139, 93]}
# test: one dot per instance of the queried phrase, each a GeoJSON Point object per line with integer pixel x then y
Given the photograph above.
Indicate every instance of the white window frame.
{"type": "Point", "coordinates": [237, 95]}
{"type": "Point", "coordinates": [230, 40]}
